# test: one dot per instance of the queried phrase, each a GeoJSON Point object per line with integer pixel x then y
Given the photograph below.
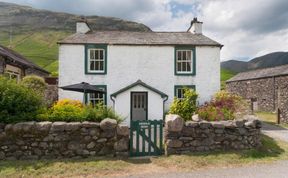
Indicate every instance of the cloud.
{"type": "Point", "coordinates": [247, 28]}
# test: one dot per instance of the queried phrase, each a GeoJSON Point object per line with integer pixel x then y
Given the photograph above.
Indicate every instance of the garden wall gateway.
{"type": "Point", "coordinates": [187, 137]}
{"type": "Point", "coordinates": [37, 140]}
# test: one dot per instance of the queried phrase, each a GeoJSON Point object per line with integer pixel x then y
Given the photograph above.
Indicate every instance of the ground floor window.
{"type": "Point", "coordinates": [95, 98]}
{"type": "Point", "coordinates": [13, 72]}
{"type": "Point", "coordinates": [179, 90]}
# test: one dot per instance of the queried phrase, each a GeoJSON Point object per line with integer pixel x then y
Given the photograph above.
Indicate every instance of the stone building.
{"type": "Point", "coordinates": [266, 89]}
{"type": "Point", "coordinates": [17, 66]}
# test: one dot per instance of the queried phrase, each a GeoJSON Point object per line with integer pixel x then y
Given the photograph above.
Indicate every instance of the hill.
{"type": "Point", "coordinates": [34, 33]}
{"type": "Point", "coordinates": [268, 60]}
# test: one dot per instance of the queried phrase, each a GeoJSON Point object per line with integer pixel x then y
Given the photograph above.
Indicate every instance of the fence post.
{"type": "Point", "coordinates": [278, 116]}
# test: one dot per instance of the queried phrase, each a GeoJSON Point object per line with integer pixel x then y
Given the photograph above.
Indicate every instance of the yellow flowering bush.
{"type": "Point", "coordinates": [65, 102]}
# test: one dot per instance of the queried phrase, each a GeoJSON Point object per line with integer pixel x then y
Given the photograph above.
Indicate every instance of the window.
{"type": "Point", "coordinates": [95, 57]}
{"type": "Point", "coordinates": [179, 90]}
{"type": "Point", "coordinates": [95, 98]}
{"type": "Point", "coordinates": [184, 61]}
{"type": "Point", "coordinates": [13, 72]}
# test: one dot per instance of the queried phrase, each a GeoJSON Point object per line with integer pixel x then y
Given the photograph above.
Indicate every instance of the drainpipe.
{"type": "Point", "coordinates": [166, 98]}
{"type": "Point", "coordinates": [111, 97]}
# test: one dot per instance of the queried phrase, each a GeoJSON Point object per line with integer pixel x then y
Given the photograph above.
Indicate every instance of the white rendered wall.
{"type": "Point", "coordinates": [155, 104]}
{"type": "Point", "coordinates": [154, 65]}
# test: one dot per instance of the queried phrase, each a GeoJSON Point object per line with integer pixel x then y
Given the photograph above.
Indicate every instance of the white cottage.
{"type": "Point", "coordinates": [141, 72]}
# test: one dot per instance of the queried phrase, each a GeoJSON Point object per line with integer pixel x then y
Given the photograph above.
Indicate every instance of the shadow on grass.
{"type": "Point", "coordinates": [269, 149]}
{"type": "Point", "coordinates": [271, 126]}
{"type": "Point", "coordinates": [102, 162]}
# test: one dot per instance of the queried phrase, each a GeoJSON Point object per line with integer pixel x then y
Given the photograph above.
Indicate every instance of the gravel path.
{"type": "Point", "coordinates": [275, 132]}
{"type": "Point", "coordinates": [277, 170]}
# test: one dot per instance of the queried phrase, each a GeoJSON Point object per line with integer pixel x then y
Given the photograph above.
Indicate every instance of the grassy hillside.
{"type": "Point", "coordinates": [35, 32]}
{"type": "Point", "coordinates": [226, 75]}
{"type": "Point", "coordinates": [40, 47]}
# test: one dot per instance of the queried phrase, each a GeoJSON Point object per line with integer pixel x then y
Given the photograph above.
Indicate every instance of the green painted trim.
{"type": "Point", "coordinates": [98, 86]}
{"type": "Point", "coordinates": [99, 46]}
{"type": "Point", "coordinates": [183, 86]}
{"type": "Point", "coordinates": [194, 60]}
{"type": "Point", "coordinates": [132, 100]}
{"type": "Point", "coordinates": [139, 82]}
{"type": "Point", "coordinates": [139, 129]}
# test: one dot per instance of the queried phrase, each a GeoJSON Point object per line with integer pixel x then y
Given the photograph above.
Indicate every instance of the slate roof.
{"type": "Point", "coordinates": [6, 52]}
{"type": "Point", "coordinates": [140, 38]}
{"type": "Point", "coordinates": [260, 73]}
{"type": "Point", "coordinates": [139, 82]}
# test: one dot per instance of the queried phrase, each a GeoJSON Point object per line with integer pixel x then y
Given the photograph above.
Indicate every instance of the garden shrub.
{"type": "Point", "coordinates": [17, 103]}
{"type": "Point", "coordinates": [185, 107]}
{"type": "Point", "coordinates": [72, 110]}
{"type": "Point", "coordinates": [37, 84]}
{"type": "Point", "coordinates": [99, 112]}
{"type": "Point", "coordinates": [223, 106]}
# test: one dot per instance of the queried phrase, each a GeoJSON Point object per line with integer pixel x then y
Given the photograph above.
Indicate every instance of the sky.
{"type": "Point", "coordinates": [246, 28]}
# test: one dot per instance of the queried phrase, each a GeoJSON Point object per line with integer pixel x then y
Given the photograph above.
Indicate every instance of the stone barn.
{"type": "Point", "coordinates": [266, 89]}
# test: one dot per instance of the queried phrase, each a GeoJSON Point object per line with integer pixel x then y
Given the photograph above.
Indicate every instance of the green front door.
{"type": "Point", "coordinates": [146, 138]}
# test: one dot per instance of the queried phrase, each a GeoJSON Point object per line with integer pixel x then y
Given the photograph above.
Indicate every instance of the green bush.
{"type": "Point", "coordinates": [224, 106]}
{"type": "Point", "coordinates": [37, 84]}
{"type": "Point", "coordinates": [100, 112]}
{"type": "Point", "coordinates": [72, 110]}
{"type": "Point", "coordinates": [17, 103]}
{"type": "Point", "coordinates": [186, 106]}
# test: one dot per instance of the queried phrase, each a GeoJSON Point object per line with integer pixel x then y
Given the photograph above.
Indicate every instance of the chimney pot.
{"type": "Point", "coordinates": [196, 26]}
{"type": "Point", "coordinates": [82, 26]}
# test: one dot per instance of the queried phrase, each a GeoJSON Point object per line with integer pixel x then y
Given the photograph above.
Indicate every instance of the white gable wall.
{"type": "Point", "coordinates": [154, 65]}
{"type": "Point", "coordinates": [155, 104]}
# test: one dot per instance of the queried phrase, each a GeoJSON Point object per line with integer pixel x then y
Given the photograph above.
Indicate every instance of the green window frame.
{"type": "Point", "coordinates": [178, 88]}
{"type": "Point", "coordinates": [95, 98]}
{"type": "Point", "coordinates": [96, 59]}
{"type": "Point", "coordinates": [185, 60]}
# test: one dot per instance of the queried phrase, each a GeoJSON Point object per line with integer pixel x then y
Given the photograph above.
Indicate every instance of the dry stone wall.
{"type": "Point", "coordinates": [46, 140]}
{"type": "Point", "coordinates": [262, 90]}
{"type": "Point", "coordinates": [283, 98]}
{"type": "Point", "coordinates": [187, 137]}
{"type": "Point", "coordinates": [269, 93]}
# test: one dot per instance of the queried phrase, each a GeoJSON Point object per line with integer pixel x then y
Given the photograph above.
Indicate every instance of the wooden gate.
{"type": "Point", "coordinates": [146, 138]}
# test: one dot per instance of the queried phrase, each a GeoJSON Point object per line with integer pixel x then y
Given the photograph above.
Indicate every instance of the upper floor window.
{"type": "Point", "coordinates": [96, 56]}
{"type": "Point", "coordinates": [184, 61]}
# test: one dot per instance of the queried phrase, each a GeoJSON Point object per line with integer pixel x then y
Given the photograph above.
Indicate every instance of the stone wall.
{"type": "Point", "coordinates": [269, 93]}
{"type": "Point", "coordinates": [181, 137]}
{"type": "Point", "coordinates": [1, 65]}
{"type": "Point", "coordinates": [37, 140]}
{"type": "Point", "coordinates": [283, 98]}
{"type": "Point", "coordinates": [51, 94]}
{"type": "Point", "coordinates": [263, 91]}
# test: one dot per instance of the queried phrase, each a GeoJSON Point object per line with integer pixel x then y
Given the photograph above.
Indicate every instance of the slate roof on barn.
{"type": "Point", "coordinates": [260, 73]}
{"type": "Point", "coordinates": [140, 38]}
{"type": "Point", "coordinates": [6, 52]}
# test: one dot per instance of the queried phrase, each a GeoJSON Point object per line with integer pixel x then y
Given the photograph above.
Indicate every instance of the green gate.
{"type": "Point", "coordinates": [146, 138]}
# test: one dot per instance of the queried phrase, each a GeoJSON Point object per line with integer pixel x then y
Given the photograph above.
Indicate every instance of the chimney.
{"type": "Point", "coordinates": [82, 26]}
{"type": "Point", "coordinates": [196, 26]}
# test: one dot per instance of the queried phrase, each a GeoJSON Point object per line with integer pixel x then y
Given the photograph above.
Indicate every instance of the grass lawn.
{"type": "Point", "coordinates": [270, 118]}
{"type": "Point", "coordinates": [109, 167]}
